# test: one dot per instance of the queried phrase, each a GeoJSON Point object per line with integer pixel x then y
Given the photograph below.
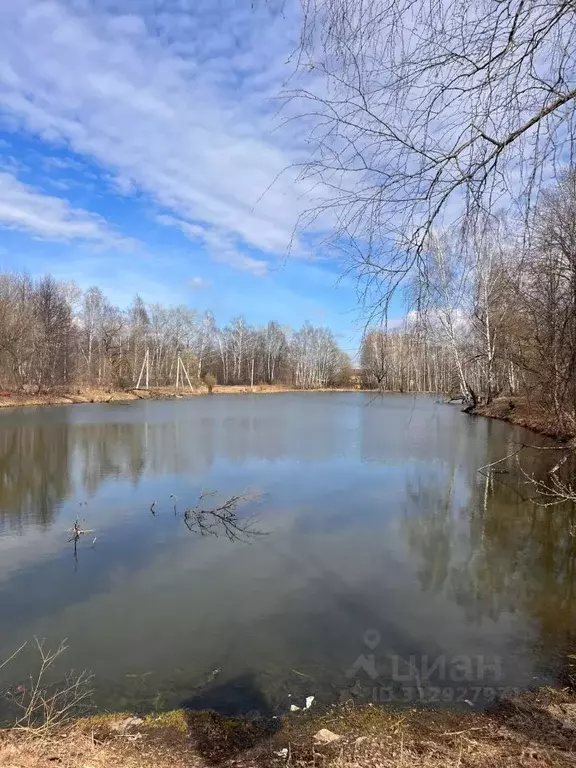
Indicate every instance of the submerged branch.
{"type": "Point", "coordinates": [222, 518]}
{"type": "Point", "coordinates": [549, 492]}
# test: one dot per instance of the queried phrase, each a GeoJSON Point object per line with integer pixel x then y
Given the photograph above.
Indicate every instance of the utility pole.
{"type": "Point", "coordinates": [184, 373]}
{"type": "Point", "coordinates": [145, 365]}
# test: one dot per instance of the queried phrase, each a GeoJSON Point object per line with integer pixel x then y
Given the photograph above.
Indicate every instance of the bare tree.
{"type": "Point", "coordinates": [16, 328]}
{"type": "Point", "coordinates": [375, 359]}
{"type": "Point", "coordinates": [53, 332]}
{"type": "Point", "coordinates": [445, 294]}
{"type": "Point", "coordinates": [495, 281]}
{"type": "Point", "coordinates": [93, 301]}
{"type": "Point", "coordinates": [51, 336]}
{"type": "Point", "coordinates": [547, 303]}
{"type": "Point", "coordinates": [204, 342]}
{"type": "Point", "coordinates": [422, 113]}
{"type": "Point", "coordinates": [274, 346]}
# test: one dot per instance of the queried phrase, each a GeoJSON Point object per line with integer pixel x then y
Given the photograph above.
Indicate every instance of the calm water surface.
{"type": "Point", "coordinates": [384, 543]}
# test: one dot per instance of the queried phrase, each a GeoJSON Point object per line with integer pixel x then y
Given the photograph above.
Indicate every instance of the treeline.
{"type": "Point", "coordinates": [494, 312]}
{"type": "Point", "coordinates": [53, 335]}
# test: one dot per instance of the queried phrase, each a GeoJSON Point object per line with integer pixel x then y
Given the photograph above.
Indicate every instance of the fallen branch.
{"type": "Point", "coordinates": [499, 461]}
{"type": "Point", "coordinates": [222, 519]}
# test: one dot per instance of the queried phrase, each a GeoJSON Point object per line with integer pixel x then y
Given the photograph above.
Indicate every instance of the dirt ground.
{"type": "Point", "coordinates": [94, 395]}
{"type": "Point", "coordinates": [532, 731]}
{"type": "Point", "coordinates": [523, 413]}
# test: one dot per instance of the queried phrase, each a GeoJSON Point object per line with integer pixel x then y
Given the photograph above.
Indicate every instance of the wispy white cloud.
{"type": "Point", "coordinates": [62, 163]}
{"type": "Point", "coordinates": [168, 102]}
{"type": "Point", "coordinates": [234, 258]}
{"type": "Point", "coordinates": [199, 282]}
{"type": "Point", "coordinates": [220, 246]}
{"type": "Point", "coordinates": [48, 217]}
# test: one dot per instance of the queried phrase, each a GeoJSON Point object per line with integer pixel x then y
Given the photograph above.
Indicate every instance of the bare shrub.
{"type": "Point", "coordinates": [210, 381]}
{"type": "Point", "coordinates": [42, 705]}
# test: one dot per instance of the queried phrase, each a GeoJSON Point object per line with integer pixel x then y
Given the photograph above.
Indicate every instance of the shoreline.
{"type": "Point", "coordinates": [534, 729]}
{"type": "Point", "coordinates": [518, 412]}
{"type": "Point", "coordinates": [83, 395]}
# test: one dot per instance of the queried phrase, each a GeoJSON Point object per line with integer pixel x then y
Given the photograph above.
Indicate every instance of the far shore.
{"type": "Point", "coordinates": [77, 395]}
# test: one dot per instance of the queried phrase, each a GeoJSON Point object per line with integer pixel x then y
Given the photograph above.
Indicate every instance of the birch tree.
{"type": "Point", "coordinates": [422, 114]}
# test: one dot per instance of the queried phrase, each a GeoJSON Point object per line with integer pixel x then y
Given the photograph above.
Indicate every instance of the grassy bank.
{"type": "Point", "coordinates": [523, 413]}
{"type": "Point", "coordinates": [95, 395]}
{"type": "Point", "coordinates": [536, 729]}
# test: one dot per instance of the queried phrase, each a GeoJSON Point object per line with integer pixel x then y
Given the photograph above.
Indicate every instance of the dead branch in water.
{"type": "Point", "coordinates": [551, 491]}
{"type": "Point", "coordinates": [222, 519]}
{"type": "Point", "coordinates": [76, 532]}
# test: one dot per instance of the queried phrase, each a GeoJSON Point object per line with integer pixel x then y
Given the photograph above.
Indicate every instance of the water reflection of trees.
{"type": "Point", "coordinates": [41, 464]}
{"type": "Point", "coordinates": [108, 451]}
{"type": "Point", "coordinates": [491, 551]}
{"type": "Point", "coordinates": [34, 473]}
{"type": "Point", "coordinates": [46, 459]}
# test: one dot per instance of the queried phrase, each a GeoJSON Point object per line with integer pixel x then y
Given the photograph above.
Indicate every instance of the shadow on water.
{"type": "Point", "coordinates": [219, 726]}
{"type": "Point", "coordinates": [240, 696]}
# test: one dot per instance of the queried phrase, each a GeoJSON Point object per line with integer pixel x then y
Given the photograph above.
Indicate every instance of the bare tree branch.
{"type": "Point", "coordinates": [222, 519]}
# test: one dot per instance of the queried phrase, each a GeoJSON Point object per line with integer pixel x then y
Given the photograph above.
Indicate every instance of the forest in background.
{"type": "Point", "coordinates": [52, 335]}
{"type": "Point", "coordinates": [493, 313]}
{"type": "Point", "coordinates": [453, 183]}
{"type": "Point", "coordinates": [488, 317]}
{"type": "Point", "coordinates": [442, 148]}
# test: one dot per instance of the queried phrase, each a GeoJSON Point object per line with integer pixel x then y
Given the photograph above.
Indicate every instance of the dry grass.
{"type": "Point", "coordinates": [536, 730]}
{"type": "Point", "coordinates": [93, 395]}
{"type": "Point", "coordinates": [74, 749]}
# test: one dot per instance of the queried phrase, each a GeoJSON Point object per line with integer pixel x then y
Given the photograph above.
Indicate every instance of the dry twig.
{"type": "Point", "coordinates": [222, 518]}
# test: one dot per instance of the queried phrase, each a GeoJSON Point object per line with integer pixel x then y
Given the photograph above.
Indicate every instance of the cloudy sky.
{"type": "Point", "coordinates": [141, 151]}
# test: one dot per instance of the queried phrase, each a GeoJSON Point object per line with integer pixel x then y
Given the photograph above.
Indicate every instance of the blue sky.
{"type": "Point", "coordinates": [141, 150]}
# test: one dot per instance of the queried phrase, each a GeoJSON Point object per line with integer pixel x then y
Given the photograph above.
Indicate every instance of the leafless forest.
{"type": "Point", "coordinates": [441, 140]}
{"type": "Point", "coordinates": [52, 335]}
{"type": "Point", "coordinates": [495, 317]}
{"type": "Point", "coordinates": [440, 144]}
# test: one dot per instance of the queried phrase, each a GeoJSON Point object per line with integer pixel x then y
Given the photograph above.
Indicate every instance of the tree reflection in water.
{"type": "Point", "coordinates": [491, 551]}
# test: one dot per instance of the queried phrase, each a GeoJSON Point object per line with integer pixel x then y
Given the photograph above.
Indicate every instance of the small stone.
{"type": "Point", "coordinates": [128, 722]}
{"type": "Point", "coordinates": [324, 736]}
{"type": "Point", "coordinates": [294, 708]}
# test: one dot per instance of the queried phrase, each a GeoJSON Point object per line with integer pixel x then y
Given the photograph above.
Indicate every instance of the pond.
{"type": "Point", "coordinates": [391, 569]}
